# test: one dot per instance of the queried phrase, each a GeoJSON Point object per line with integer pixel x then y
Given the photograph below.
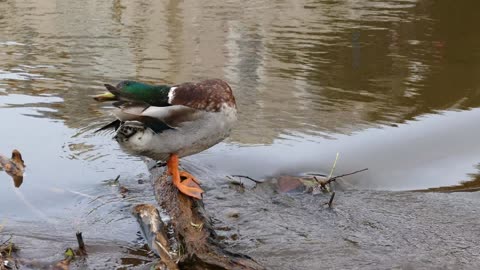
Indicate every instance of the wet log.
{"type": "Point", "coordinates": [197, 244]}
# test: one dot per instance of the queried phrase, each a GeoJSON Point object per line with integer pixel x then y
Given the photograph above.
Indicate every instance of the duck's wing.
{"type": "Point", "coordinates": [151, 123]}
{"type": "Point", "coordinates": [208, 95]}
{"type": "Point", "coordinates": [112, 125]}
{"type": "Point", "coordinates": [174, 116]}
{"type": "Point", "coordinates": [156, 118]}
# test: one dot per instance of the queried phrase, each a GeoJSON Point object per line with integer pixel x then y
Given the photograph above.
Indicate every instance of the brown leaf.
{"type": "Point", "coordinates": [14, 167]}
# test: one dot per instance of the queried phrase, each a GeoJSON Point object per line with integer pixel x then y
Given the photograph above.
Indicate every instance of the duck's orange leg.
{"type": "Point", "coordinates": [189, 186]}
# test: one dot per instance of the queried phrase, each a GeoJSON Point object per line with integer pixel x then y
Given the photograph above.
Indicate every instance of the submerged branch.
{"type": "Point", "coordinates": [323, 183]}
{"type": "Point", "coordinates": [81, 244]}
{"type": "Point", "coordinates": [342, 175]}
{"type": "Point", "coordinates": [331, 200]}
{"type": "Point", "coordinates": [247, 177]}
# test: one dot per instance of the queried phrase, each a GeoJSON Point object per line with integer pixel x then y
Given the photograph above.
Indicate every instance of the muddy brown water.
{"type": "Point", "coordinates": [389, 85]}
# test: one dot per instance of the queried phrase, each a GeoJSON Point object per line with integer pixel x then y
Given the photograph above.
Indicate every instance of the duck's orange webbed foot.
{"type": "Point", "coordinates": [188, 176]}
{"type": "Point", "coordinates": [189, 186]}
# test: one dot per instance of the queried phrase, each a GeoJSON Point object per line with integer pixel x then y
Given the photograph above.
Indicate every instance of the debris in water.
{"type": "Point", "coordinates": [331, 200]}
{"type": "Point", "coordinates": [15, 167]}
{"type": "Point", "coordinates": [248, 177]}
{"type": "Point", "coordinates": [70, 254]}
{"type": "Point", "coordinates": [312, 183]}
{"type": "Point", "coordinates": [81, 244]}
{"type": "Point", "coordinates": [7, 262]}
{"type": "Point", "coordinates": [123, 191]}
{"type": "Point", "coordinates": [323, 183]}
{"type": "Point", "coordinates": [65, 263]}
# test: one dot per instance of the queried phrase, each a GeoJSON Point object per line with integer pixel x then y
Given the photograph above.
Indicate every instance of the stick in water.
{"type": "Point", "coordinates": [81, 244]}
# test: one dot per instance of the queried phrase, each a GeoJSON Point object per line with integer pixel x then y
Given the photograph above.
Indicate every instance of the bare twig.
{"type": "Point", "coordinates": [116, 179]}
{"type": "Point", "coordinates": [8, 240]}
{"type": "Point", "coordinates": [342, 175]}
{"type": "Point", "coordinates": [323, 184]}
{"type": "Point", "coordinates": [247, 177]}
{"type": "Point", "coordinates": [329, 180]}
{"type": "Point", "coordinates": [81, 244]}
{"type": "Point", "coordinates": [317, 174]}
{"type": "Point", "coordinates": [331, 200]}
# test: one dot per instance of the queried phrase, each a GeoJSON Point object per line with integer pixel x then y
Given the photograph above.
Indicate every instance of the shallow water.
{"type": "Point", "coordinates": [389, 85]}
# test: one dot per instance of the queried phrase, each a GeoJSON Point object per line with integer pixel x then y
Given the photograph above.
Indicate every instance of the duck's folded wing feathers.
{"type": "Point", "coordinates": [133, 111]}
{"type": "Point", "coordinates": [172, 116]}
{"type": "Point", "coordinates": [129, 110]}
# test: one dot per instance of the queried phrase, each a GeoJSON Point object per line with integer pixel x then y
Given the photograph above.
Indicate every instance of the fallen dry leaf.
{"type": "Point", "coordinates": [15, 167]}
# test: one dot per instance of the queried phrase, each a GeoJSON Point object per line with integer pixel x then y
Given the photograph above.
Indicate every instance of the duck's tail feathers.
{"type": "Point", "coordinates": [115, 125]}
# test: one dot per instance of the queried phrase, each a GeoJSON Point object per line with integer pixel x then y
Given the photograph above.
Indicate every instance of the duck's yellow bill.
{"type": "Point", "coordinates": [105, 97]}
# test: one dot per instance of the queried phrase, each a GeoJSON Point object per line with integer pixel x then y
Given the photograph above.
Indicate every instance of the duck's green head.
{"type": "Point", "coordinates": [114, 92]}
{"type": "Point", "coordinates": [131, 87]}
{"type": "Point", "coordinates": [136, 91]}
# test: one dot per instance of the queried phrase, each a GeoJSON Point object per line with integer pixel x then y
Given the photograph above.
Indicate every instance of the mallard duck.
{"type": "Point", "coordinates": [166, 122]}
